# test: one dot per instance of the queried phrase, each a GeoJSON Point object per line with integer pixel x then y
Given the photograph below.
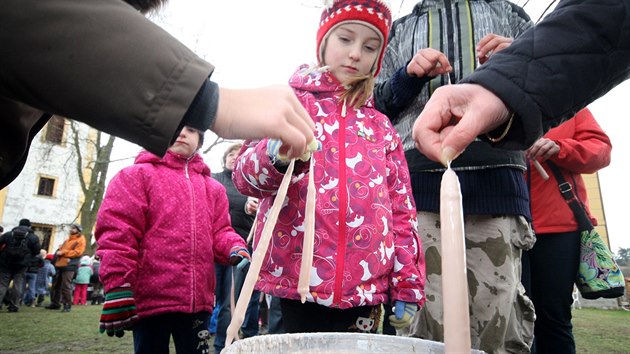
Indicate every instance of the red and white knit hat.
{"type": "Point", "coordinates": [375, 14]}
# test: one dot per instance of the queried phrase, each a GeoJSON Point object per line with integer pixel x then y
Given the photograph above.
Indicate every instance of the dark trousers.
{"type": "Point", "coordinates": [190, 333]}
{"type": "Point", "coordinates": [298, 317]}
{"type": "Point", "coordinates": [28, 288]}
{"type": "Point", "coordinates": [275, 316]}
{"type": "Point", "coordinates": [61, 292]}
{"type": "Point", "coordinates": [14, 296]}
{"type": "Point", "coordinates": [250, 325]}
{"type": "Point", "coordinates": [549, 272]}
{"type": "Point", "coordinates": [223, 275]}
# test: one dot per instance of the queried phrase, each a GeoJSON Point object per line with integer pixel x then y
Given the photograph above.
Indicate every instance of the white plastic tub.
{"type": "Point", "coordinates": [334, 343]}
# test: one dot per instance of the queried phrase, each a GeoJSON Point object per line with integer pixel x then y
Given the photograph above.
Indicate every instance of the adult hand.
{"type": "Point", "coordinates": [403, 314]}
{"type": "Point", "coordinates": [272, 111]}
{"type": "Point", "coordinates": [428, 62]}
{"type": "Point", "coordinates": [542, 150]}
{"type": "Point", "coordinates": [454, 116]}
{"type": "Point", "coordinates": [119, 312]}
{"type": "Point", "coordinates": [491, 44]}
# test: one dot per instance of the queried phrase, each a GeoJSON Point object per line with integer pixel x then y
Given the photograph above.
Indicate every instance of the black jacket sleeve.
{"type": "Point", "coordinates": [575, 55]}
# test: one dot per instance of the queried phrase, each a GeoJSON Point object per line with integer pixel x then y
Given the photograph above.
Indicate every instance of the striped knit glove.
{"type": "Point", "coordinates": [403, 314]}
{"type": "Point", "coordinates": [119, 312]}
{"type": "Point", "coordinates": [239, 257]}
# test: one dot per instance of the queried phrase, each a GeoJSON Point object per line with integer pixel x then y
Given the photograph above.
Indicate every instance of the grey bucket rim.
{"type": "Point", "coordinates": [416, 345]}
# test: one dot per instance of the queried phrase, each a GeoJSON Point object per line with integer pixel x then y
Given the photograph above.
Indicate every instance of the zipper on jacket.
{"type": "Point", "coordinates": [193, 231]}
{"type": "Point", "coordinates": [343, 201]}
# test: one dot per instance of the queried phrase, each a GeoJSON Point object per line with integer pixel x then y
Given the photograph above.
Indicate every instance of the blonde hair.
{"type": "Point", "coordinates": [359, 90]}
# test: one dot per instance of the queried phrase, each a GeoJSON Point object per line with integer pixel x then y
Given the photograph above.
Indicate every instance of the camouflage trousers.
{"type": "Point", "coordinates": [501, 316]}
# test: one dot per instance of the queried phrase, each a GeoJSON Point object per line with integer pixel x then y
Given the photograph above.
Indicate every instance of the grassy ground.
{"type": "Point", "coordinates": [36, 330]}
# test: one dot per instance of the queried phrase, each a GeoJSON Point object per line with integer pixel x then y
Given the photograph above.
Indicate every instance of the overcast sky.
{"type": "Point", "coordinates": [256, 43]}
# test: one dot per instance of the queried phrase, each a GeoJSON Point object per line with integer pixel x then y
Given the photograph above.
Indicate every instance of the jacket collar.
{"type": "Point", "coordinates": [172, 160]}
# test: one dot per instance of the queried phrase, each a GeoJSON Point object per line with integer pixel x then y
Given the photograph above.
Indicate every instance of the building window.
{"type": "Point", "coordinates": [54, 130]}
{"type": "Point", "coordinates": [46, 186]}
{"type": "Point", "coordinates": [44, 233]}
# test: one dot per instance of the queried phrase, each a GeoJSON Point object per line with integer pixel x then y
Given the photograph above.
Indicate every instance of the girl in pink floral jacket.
{"type": "Point", "coordinates": [366, 251]}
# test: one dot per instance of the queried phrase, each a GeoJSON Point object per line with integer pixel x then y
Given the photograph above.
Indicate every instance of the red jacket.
{"type": "Point", "coordinates": [584, 148]}
{"type": "Point", "coordinates": [367, 249]}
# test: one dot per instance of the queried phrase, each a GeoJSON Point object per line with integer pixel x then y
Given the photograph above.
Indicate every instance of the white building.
{"type": "Point", "coordinates": [47, 191]}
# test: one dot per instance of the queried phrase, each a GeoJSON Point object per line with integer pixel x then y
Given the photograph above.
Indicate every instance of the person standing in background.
{"type": "Point", "coordinates": [18, 247]}
{"type": "Point", "coordinates": [82, 280]}
{"type": "Point", "coordinates": [66, 261]}
{"type": "Point", "coordinates": [29, 290]}
{"type": "Point", "coordinates": [44, 274]}
{"type": "Point", "coordinates": [577, 146]}
{"type": "Point", "coordinates": [242, 213]}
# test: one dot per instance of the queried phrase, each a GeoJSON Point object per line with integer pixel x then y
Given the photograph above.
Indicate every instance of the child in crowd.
{"type": "Point", "coordinates": [82, 280]}
{"type": "Point", "coordinates": [366, 250]}
{"type": "Point", "coordinates": [44, 277]}
{"type": "Point", "coordinates": [163, 223]}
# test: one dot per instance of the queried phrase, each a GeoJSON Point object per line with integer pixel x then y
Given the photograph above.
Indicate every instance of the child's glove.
{"type": "Point", "coordinates": [119, 312]}
{"type": "Point", "coordinates": [273, 150]}
{"type": "Point", "coordinates": [239, 257]}
{"type": "Point", "coordinates": [403, 314]}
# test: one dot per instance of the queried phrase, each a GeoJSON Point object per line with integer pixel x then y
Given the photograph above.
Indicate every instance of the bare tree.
{"type": "Point", "coordinates": [92, 183]}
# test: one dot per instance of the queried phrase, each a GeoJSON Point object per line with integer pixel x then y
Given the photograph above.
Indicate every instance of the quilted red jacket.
{"type": "Point", "coordinates": [367, 250]}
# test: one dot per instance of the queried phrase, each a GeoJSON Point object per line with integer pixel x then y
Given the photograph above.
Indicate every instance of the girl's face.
{"type": "Point", "coordinates": [351, 50]}
{"type": "Point", "coordinates": [186, 143]}
{"type": "Point", "coordinates": [230, 158]}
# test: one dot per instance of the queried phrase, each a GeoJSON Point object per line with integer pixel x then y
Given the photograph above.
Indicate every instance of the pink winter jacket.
{"type": "Point", "coordinates": [374, 255]}
{"type": "Point", "coordinates": [162, 225]}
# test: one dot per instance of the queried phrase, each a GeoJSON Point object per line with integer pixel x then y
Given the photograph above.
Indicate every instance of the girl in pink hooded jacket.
{"type": "Point", "coordinates": [162, 225]}
{"type": "Point", "coordinates": [366, 250]}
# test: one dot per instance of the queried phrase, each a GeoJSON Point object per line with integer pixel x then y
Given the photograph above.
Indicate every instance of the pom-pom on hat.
{"type": "Point", "coordinates": [375, 14]}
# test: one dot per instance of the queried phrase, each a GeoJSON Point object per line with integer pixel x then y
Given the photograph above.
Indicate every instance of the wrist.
{"type": "Point", "coordinates": [501, 132]}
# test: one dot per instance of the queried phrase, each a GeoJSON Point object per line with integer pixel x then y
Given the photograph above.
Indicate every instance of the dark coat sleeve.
{"type": "Point", "coordinates": [575, 55]}
{"type": "Point", "coordinates": [100, 62]}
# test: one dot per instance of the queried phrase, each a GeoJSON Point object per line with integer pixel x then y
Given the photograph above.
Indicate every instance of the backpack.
{"type": "Point", "coordinates": [17, 252]}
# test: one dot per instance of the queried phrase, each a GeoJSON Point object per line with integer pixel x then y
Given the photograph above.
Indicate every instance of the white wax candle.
{"type": "Point", "coordinates": [540, 169]}
{"type": "Point", "coordinates": [454, 281]}
{"type": "Point", "coordinates": [309, 237]}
